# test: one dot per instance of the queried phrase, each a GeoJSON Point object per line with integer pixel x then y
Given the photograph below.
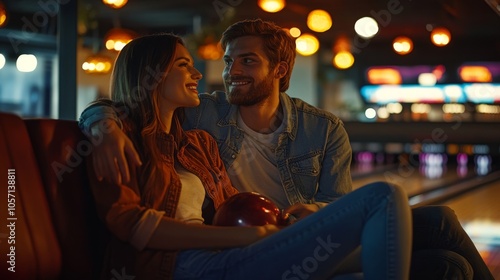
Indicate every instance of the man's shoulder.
{"type": "Point", "coordinates": [308, 111]}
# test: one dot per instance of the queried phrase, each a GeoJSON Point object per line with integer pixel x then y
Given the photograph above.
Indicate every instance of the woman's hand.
{"type": "Point", "coordinates": [300, 210]}
{"type": "Point", "coordinates": [113, 154]}
{"type": "Point", "coordinates": [267, 230]}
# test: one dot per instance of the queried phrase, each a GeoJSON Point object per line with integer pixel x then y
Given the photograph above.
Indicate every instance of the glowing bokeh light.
{"type": "Point", "coordinates": [295, 32]}
{"type": "Point", "coordinates": [319, 21]}
{"type": "Point", "coordinates": [271, 6]}
{"type": "Point", "coordinates": [115, 4]}
{"type": "Point", "coordinates": [370, 113]}
{"type": "Point", "coordinates": [343, 60]}
{"type": "Point", "coordinates": [366, 27]}
{"type": "Point", "coordinates": [440, 36]}
{"type": "Point", "coordinates": [307, 44]}
{"type": "Point", "coordinates": [26, 63]}
{"type": "Point", "coordinates": [2, 61]}
{"type": "Point", "coordinates": [117, 38]}
{"type": "Point", "coordinates": [475, 74]}
{"type": "Point", "coordinates": [402, 45]}
{"type": "Point", "coordinates": [427, 79]}
{"type": "Point", "coordinates": [3, 14]}
{"type": "Point", "coordinates": [97, 64]}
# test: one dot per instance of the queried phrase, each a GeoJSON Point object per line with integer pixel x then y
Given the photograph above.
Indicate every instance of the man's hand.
{"type": "Point", "coordinates": [300, 210]}
{"type": "Point", "coordinates": [113, 152]}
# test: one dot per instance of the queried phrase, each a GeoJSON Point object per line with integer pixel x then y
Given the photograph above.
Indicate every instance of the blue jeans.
{"type": "Point", "coordinates": [441, 249]}
{"type": "Point", "coordinates": [376, 216]}
{"type": "Point", "coordinates": [438, 228]}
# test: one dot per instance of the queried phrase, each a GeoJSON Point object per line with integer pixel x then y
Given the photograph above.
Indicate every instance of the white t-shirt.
{"type": "Point", "coordinates": [191, 198]}
{"type": "Point", "coordinates": [255, 168]}
{"type": "Point", "coordinates": [189, 208]}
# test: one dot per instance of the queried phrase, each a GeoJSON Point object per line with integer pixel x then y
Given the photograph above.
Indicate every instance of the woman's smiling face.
{"type": "Point", "coordinates": [179, 87]}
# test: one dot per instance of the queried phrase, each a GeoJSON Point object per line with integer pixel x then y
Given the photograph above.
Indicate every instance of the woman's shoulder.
{"type": "Point", "coordinates": [202, 140]}
{"type": "Point", "coordinates": [199, 134]}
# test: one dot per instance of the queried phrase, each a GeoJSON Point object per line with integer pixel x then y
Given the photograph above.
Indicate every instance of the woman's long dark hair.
{"type": "Point", "coordinates": [139, 68]}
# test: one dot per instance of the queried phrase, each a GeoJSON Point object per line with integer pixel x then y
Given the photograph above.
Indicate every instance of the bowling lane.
{"type": "Point", "coordinates": [421, 169]}
{"type": "Point", "coordinates": [479, 213]}
{"type": "Point", "coordinates": [417, 179]}
{"type": "Point", "coordinates": [477, 207]}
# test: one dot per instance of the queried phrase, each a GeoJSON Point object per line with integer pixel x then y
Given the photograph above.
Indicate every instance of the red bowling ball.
{"type": "Point", "coordinates": [248, 209]}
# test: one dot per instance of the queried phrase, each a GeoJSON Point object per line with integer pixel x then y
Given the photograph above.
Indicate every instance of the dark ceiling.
{"type": "Point", "coordinates": [474, 24]}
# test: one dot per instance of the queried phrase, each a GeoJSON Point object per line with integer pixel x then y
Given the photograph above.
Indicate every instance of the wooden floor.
{"type": "Point", "coordinates": [479, 214]}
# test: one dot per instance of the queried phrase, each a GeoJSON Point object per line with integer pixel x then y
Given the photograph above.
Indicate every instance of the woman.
{"type": "Point", "coordinates": [161, 219]}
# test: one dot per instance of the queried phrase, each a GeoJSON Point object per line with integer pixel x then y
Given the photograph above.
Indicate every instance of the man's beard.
{"type": "Point", "coordinates": [255, 93]}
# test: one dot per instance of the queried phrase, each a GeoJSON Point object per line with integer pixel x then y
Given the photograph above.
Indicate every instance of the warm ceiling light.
{"type": "Point", "coordinates": [440, 36]}
{"type": "Point", "coordinates": [319, 21]}
{"type": "Point", "coordinates": [343, 60]}
{"type": "Point", "coordinates": [295, 32]}
{"type": "Point", "coordinates": [97, 64]}
{"type": "Point", "coordinates": [307, 44]}
{"type": "Point", "coordinates": [384, 76]}
{"type": "Point", "coordinates": [3, 14]}
{"type": "Point", "coordinates": [210, 51]}
{"type": "Point", "coordinates": [115, 4]}
{"type": "Point", "coordinates": [271, 6]}
{"type": "Point", "coordinates": [366, 27]}
{"type": "Point", "coordinates": [117, 38]}
{"type": "Point", "coordinates": [475, 74]}
{"type": "Point", "coordinates": [402, 45]}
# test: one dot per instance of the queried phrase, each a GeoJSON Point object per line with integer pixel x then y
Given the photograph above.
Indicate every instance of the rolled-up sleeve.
{"type": "Point", "coordinates": [145, 227]}
{"type": "Point", "coordinates": [119, 207]}
{"type": "Point", "coordinates": [101, 110]}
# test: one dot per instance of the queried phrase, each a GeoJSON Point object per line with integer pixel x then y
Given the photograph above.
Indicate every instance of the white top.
{"type": "Point", "coordinates": [189, 209]}
{"type": "Point", "coordinates": [191, 198]}
{"type": "Point", "coordinates": [255, 168]}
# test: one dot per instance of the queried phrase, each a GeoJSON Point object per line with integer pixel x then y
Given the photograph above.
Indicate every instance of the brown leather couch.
{"type": "Point", "coordinates": [53, 222]}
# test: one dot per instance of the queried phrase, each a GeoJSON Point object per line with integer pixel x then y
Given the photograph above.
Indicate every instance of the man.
{"type": "Point", "coordinates": [294, 153]}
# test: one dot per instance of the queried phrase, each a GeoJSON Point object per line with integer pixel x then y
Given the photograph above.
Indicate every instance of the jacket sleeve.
{"type": "Point", "coordinates": [119, 207]}
{"type": "Point", "coordinates": [335, 179]}
{"type": "Point", "coordinates": [99, 110]}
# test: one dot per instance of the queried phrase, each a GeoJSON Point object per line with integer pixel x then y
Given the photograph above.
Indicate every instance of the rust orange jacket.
{"type": "Point", "coordinates": [122, 206]}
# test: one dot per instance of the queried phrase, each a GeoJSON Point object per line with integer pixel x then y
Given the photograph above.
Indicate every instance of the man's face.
{"type": "Point", "coordinates": [247, 77]}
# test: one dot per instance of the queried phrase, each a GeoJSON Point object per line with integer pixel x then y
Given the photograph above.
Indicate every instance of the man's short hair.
{"type": "Point", "coordinates": [278, 44]}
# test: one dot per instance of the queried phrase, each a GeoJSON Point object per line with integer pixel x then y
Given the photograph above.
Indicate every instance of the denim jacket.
{"type": "Point", "coordinates": [313, 153]}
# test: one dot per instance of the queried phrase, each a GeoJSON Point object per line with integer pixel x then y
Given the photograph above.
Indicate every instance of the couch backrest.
{"type": "Point", "coordinates": [61, 149]}
{"type": "Point", "coordinates": [29, 246]}
{"type": "Point", "coordinates": [58, 233]}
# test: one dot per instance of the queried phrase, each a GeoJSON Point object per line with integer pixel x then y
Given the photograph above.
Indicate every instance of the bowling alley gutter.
{"type": "Point", "coordinates": [440, 195]}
